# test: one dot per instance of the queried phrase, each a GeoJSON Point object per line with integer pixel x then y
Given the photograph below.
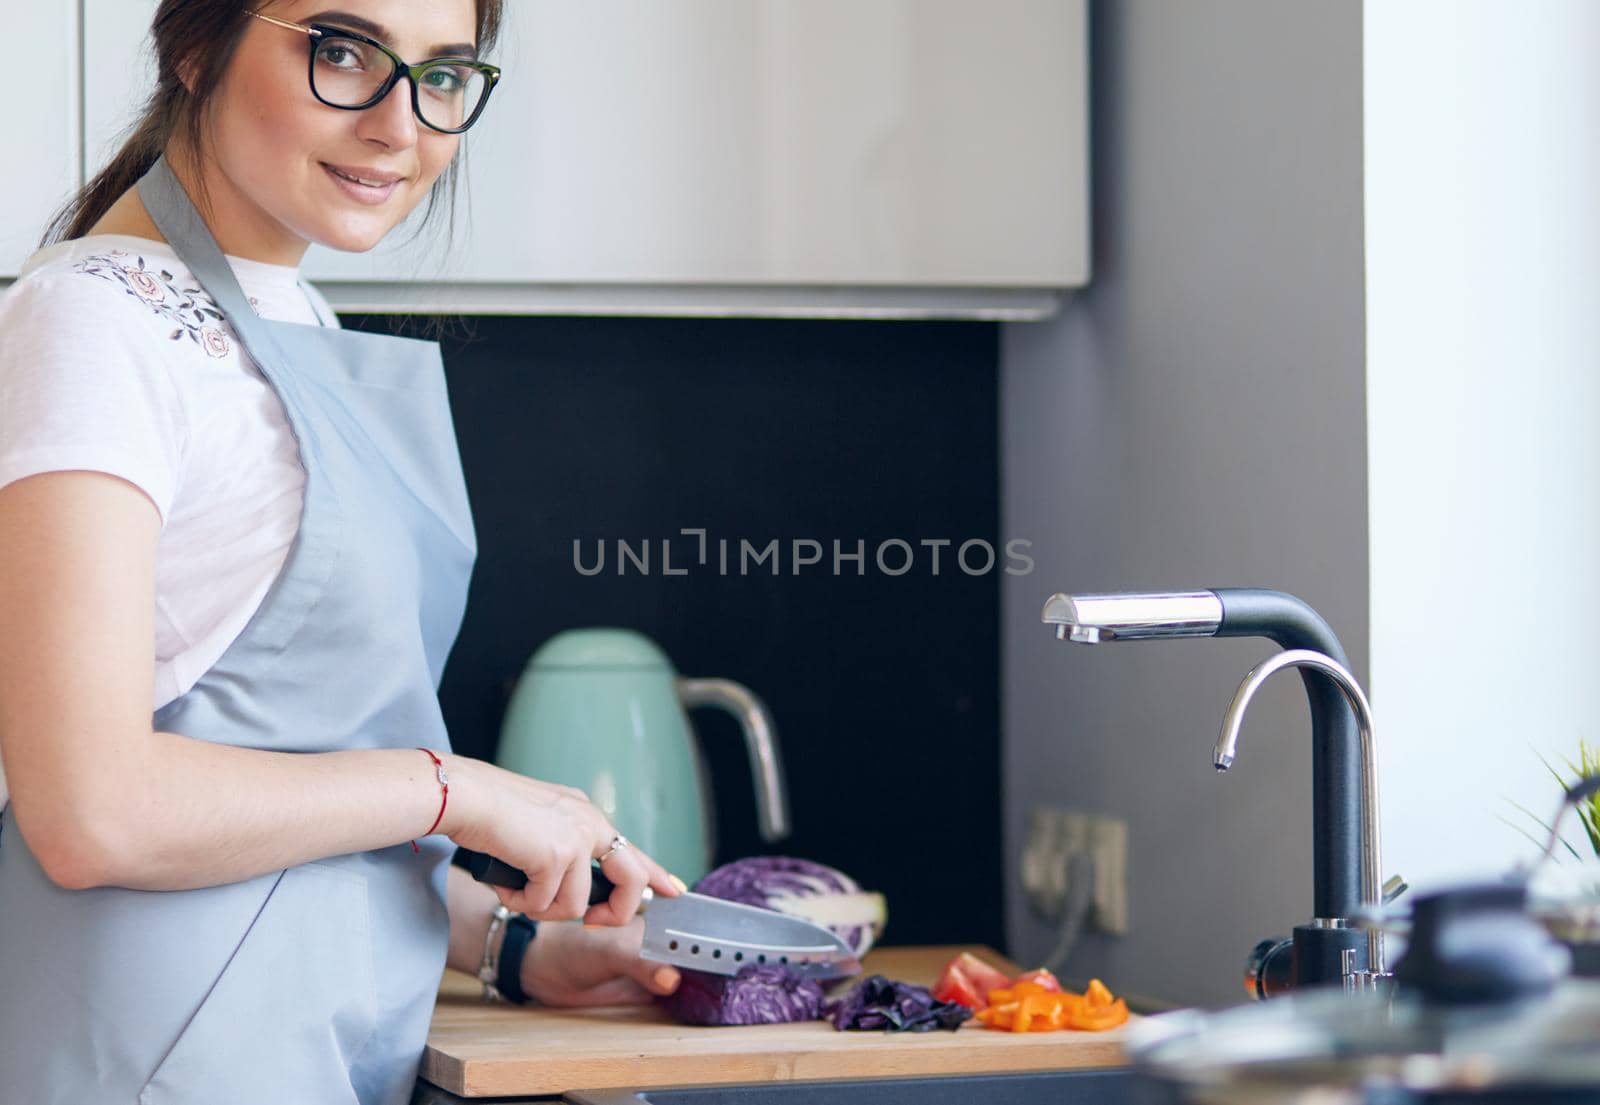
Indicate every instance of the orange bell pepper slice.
{"type": "Point", "coordinates": [1030, 1010]}
{"type": "Point", "coordinates": [1100, 1019]}
{"type": "Point", "coordinates": [999, 1016]}
{"type": "Point", "coordinates": [1097, 996]}
{"type": "Point", "coordinates": [1039, 976]}
{"type": "Point", "coordinates": [1033, 1006]}
{"type": "Point", "coordinates": [1015, 992]}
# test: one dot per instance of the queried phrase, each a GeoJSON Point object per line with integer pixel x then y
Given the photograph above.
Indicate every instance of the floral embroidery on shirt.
{"type": "Point", "coordinates": [190, 308]}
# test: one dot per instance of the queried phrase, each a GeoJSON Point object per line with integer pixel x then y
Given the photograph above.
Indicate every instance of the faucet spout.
{"type": "Point", "coordinates": [1371, 848]}
{"type": "Point", "coordinates": [1091, 619]}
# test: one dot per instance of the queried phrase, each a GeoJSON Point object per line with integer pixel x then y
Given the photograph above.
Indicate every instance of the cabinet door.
{"type": "Point", "coordinates": [41, 132]}
{"type": "Point", "coordinates": [119, 73]}
{"type": "Point", "coordinates": [734, 143]}
{"type": "Point", "coordinates": [834, 142]}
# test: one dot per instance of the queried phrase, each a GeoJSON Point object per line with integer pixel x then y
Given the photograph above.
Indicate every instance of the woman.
{"type": "Point", "coordinates": [246, 896]}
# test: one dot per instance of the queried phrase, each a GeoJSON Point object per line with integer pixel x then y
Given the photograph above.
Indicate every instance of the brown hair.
{"type": "Point", "coordinates": [199, 37]}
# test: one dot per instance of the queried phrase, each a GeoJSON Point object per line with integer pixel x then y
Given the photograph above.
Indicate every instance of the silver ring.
{"type": "Point", "coordinates": [618, 843]}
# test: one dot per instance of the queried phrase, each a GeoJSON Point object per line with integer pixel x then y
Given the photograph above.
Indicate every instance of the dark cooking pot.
{"type": "Point", "coordinates": [1483, 1009]}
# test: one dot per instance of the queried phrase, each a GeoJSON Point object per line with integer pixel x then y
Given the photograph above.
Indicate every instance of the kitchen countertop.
{"type": "Point", "coordinates": [481, 1050]}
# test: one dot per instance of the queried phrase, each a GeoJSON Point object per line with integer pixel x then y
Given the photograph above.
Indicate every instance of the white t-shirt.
{"type": "Point", "coordinates": [113, 359]}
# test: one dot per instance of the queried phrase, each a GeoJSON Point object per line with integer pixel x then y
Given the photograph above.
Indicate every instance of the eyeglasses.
{"type": "Point", "coordinates": [354, 72]}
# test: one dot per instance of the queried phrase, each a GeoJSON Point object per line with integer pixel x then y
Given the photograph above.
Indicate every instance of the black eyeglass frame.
{"type": "Point", "coordinates": [316, 33]}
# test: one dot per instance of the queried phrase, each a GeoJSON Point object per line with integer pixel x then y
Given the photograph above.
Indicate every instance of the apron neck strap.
{"type": "Point", "coordinates": [176, 216]}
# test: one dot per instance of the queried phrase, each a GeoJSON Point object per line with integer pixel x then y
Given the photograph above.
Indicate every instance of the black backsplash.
{"type": "Point", "coordinates": [884, 689]}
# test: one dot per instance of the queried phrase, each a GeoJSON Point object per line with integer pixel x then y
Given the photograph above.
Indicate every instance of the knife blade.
{"type": "Point", "coordinates": [708, 934]}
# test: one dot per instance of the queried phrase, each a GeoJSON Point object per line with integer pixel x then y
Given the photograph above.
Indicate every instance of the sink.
{"type": "Point", "coordinates": [1090, 1087]}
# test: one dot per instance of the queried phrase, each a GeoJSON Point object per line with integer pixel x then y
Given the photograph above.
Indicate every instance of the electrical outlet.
{"type": "Point", "coordinates": [1108, 844]}
{"type": "Point", "coordinates": [1055, 838]}
{"type": "Point", "coordinates": [1044, 865]}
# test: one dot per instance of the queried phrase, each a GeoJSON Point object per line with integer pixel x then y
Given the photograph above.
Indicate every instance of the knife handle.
{"type": "Point", "coordinates": [485, 868]}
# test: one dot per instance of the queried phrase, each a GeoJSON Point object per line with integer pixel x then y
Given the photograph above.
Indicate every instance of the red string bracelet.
{"type": "Point", "coordinates": [444, 796]}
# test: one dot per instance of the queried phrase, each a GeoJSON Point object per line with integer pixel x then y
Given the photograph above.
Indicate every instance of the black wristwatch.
{"type": "Point", "coordinates": [508, 980]}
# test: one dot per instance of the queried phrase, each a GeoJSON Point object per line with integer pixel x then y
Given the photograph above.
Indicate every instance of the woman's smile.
{"type": "Point", "coordinates": [363, 185]}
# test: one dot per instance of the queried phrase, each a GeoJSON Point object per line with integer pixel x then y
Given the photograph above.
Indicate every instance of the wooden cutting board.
{"type": "Point", "coordinates": [480, 1050]}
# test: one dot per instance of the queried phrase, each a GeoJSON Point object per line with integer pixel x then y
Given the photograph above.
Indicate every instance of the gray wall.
{"type": "Point", "coordinates": [1194, 418]}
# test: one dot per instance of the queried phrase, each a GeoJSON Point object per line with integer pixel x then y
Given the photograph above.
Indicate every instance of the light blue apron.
{"type": "Point", "coordinates": [313, 985]}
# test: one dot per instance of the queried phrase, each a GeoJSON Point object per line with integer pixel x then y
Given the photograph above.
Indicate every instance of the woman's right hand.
{"type": "Point", "coordinates": [551, 833]}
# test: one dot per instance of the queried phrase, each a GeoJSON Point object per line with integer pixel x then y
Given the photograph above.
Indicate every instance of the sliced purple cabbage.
{"type": "Point", "coordinates": [878, 1003]}
{"type": "Point", "coordinates": [771, 993]}
{"type": "Point", "coordinates": [762, 993]}
{"type": "Point", "coordinates": [801, 888]}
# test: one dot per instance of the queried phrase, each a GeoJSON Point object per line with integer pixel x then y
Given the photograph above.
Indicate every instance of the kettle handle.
{"type": "Point", "coordinates": [761, 741]}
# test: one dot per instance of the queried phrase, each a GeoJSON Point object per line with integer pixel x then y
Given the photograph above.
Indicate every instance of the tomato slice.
{"type": "Point", "coordinates": [955, 986]}
{"type": "Point", "coordinates": [983, 976]}
{"type": "Point", "coordinates": [968, 980]}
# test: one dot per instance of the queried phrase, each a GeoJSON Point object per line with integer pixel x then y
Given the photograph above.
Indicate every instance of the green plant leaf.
{"type": "Point", "coordinates": [1535, 841]}
{"type": "Point", "coordinates": [1588, 763]}
{"type": "Point", "coordinates": [1543, 824]}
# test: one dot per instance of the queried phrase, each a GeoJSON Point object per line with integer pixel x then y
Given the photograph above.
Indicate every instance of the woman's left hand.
{"type": "Point", "coordinates": [568, 964]}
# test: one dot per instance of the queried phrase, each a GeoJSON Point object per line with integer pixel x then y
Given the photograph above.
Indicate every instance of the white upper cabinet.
{"type": "Point", "coordinates": [42, 130]}
{"type": "Point", "coordinates": [740, 156]}
{"type": "Point", "coordinates": [119, 74]}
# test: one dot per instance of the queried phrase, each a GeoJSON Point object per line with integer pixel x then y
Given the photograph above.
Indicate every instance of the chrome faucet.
{"type": "Point", "coordinates": [1372, 890]}
{"type": "Point", "coordinates": [1340, 882]}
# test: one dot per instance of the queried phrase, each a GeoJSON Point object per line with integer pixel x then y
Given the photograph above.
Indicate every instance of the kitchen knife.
{"type": "Point", "coordinates": [708, 934]}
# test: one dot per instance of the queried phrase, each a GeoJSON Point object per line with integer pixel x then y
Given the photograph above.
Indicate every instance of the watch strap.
{"type": "Point", "coordinates": [519, 934]}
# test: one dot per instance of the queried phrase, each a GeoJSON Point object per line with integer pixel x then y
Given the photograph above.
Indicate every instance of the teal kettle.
{"type": "Point", "coordinates": [603, 710]}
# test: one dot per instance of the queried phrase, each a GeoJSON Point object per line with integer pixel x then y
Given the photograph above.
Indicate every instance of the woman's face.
{"type": "Point", "coordinates": [274, 148]}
